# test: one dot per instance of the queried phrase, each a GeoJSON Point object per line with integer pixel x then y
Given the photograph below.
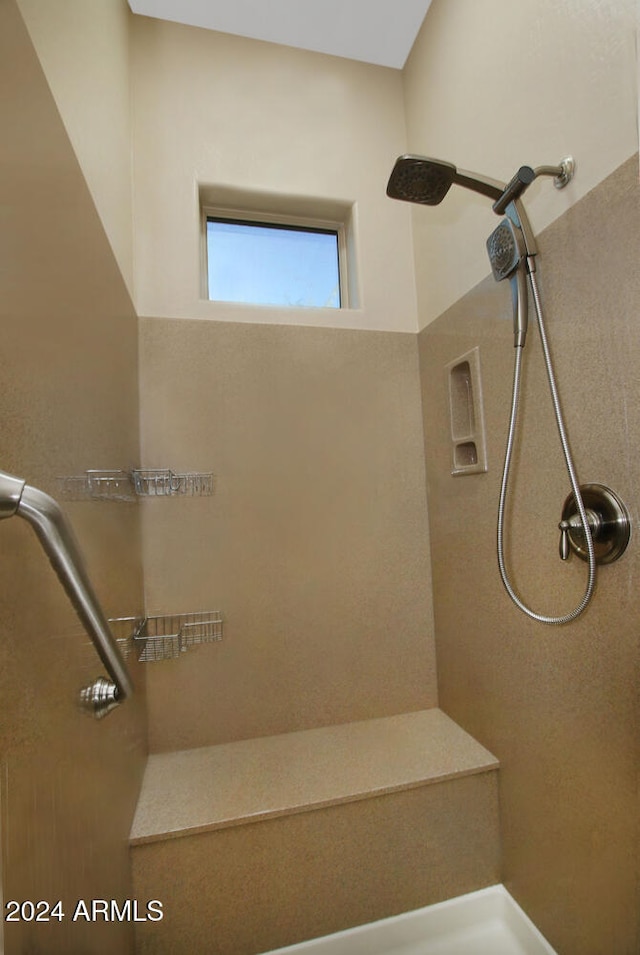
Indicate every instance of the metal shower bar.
{"type": "Point", "coordinates": [57, 539]}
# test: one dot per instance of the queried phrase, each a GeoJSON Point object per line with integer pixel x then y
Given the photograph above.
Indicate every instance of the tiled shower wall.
{"type": "Point", "coordinates": [557, 706]}
{"type": "Point", "coordinates": [69, 402]}
{"type": "Point", "coordinates": [315, 543]}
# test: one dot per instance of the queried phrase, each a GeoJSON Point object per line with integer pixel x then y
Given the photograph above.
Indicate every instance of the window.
{"type": "Point", "coordinates": [272, 263]}
{"type": "Point", "coordinates": [265, 248]}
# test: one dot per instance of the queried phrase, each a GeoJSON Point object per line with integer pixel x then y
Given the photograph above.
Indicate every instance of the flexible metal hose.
{"type": "Point", "coordinates": [568, 617]}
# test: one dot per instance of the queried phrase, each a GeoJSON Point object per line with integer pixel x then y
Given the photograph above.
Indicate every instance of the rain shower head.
{"type": "Point", "coordinates": [427, 181]}
{"type": "Point", "coordinates": [418, 179]}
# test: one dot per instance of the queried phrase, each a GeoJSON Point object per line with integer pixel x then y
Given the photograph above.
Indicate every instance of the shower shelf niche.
{"type": "Point", "coordinates": [468, 446]}
{"type": "Point", "coordinates": [126, 486]}
{"type": "Point", "coordinates": [166, 636]}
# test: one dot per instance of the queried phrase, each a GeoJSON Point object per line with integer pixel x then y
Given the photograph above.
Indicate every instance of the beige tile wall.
{"type": "Point", "coordinates": [68, 400]}
{"type": "Point", "coordinates": [315, 544]}
{"type": "Point", "coordinates": [557, 706]}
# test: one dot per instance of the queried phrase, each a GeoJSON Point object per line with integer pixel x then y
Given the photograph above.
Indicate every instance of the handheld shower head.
{"type": "Point", "coordinates": [506, 249]}
{"type": "Point", "coordinates": [507, 254]}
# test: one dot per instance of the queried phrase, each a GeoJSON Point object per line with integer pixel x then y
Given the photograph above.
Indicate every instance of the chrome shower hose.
{"type": "Point", "coordinates": [591, 581]}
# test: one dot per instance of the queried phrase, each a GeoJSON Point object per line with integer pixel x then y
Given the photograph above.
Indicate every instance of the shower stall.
{"type": "Point", "coordinates": [355, 604]}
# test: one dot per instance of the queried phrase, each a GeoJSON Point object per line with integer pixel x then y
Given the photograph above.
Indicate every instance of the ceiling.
{"type": "Point", "coordinates": [374, 31]}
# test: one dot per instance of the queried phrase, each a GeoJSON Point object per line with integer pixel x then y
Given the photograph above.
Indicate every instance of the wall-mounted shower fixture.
{"type": "Point", "coordinates": [59, 544]}
{"type": "Point", "coordinates": [512, 250]}
{"type": "Point", "coordinates": [512, 246]}
{"type": "Point", "coordinates": [609, 523]}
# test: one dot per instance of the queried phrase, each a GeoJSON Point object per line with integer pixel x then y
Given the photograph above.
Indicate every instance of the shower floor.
{"type": "Point", "coordinates": [488, 922]}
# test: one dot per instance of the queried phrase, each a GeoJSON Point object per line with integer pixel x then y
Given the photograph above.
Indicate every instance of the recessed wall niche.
{"type": "Point", "coordinates": [466, 414]}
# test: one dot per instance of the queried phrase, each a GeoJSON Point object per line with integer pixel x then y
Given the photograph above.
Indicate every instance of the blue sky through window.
{"type": "Point", "coordinates": [272, 265]}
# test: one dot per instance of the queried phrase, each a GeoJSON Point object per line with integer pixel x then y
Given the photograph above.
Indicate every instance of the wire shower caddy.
{"type": "Point", "coordinates": [166, 636]}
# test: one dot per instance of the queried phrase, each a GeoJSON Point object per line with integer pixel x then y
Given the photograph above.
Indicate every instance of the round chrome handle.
{"type": "Point", "coordinates": [100, 697]}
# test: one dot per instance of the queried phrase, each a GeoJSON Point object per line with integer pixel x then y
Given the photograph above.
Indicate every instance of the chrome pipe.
{"type": "Point", "coordinates": [57, 539]}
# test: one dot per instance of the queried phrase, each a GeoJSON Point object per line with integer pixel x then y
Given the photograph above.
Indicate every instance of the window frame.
{"type": "Point", "coordinates": [262, 217]}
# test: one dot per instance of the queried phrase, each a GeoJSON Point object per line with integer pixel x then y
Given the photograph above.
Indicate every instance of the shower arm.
{"type": "Point", "coordinates": [492, 188]}
{"type": "Point", "coordinates": [58, 542]}
{"type": "Point", "coordinates": [507, 197]}
{"type": "Point", "coordinates": [562, 174]}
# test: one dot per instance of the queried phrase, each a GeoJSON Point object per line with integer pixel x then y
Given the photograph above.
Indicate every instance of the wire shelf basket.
{"type": "Point", "coordinates": [98, 485]}
{"type": "Point", "coordinates": [118, 485]}
{"type": "Point", "coordinates": [162, 482]}
{"type": "Point", "coordinates": [125, 631]}
{"type": "Point", "coordinates": [166, 636]}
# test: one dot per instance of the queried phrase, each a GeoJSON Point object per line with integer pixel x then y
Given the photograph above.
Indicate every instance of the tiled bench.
{"type": "Point", "coordinates": [260, 843]}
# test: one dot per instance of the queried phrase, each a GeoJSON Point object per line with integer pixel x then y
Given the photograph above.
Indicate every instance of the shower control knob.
{"type": "Point", "coordinates": [574, 523]}
{"type": "Point", "coordinates": [608, 521]}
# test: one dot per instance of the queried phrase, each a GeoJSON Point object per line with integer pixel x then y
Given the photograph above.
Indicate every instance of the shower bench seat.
{"type": "Point", "coordinates": [259, 843]}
